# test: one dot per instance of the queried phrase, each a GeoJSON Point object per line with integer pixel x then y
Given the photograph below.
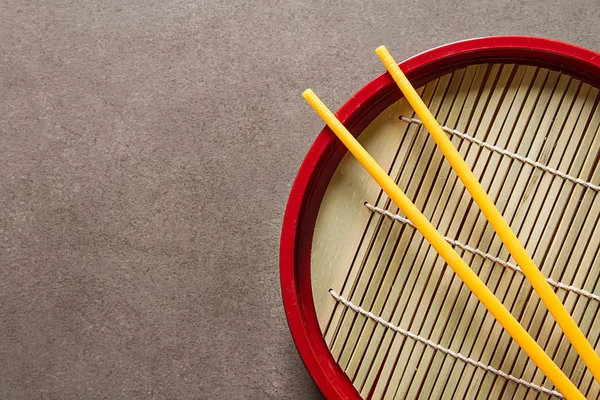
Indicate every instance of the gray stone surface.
{"type": "Point", "coordinates": [147, 149]}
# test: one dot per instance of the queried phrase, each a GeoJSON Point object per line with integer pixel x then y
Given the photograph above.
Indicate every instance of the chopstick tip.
{"type": "Point", "coordinates": [308, 93]}
{"type": "Point", "coordinates": [381, 49]}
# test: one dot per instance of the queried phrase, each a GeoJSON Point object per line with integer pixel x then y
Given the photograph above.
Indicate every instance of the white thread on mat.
{"type": "Point", "coordinates": [488, 256]}
{"type": "Point", "coordinates": [510, 154]}
{"type": "Point", "coordinates": [436, 346]}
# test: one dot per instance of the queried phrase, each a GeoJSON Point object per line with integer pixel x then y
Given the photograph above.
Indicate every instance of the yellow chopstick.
{"type": "Point", "coordinates": [485, 295]}
{"type": "Point", "coordinates": [516, 249]}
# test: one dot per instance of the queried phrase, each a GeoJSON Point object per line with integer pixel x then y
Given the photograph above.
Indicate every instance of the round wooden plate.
{"type": "Point", "coordinates": [459, 81]}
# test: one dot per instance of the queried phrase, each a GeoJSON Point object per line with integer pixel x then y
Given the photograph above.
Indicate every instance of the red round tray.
{"type": "Point", "coordinates": [326, 153]}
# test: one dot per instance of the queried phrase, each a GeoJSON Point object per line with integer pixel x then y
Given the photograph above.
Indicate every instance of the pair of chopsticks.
{"type": "Point", "coordinates": [516, 249]}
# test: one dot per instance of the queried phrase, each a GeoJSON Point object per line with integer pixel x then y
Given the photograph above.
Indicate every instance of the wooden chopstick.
{"type": "Point", "coordinates": [476, 285]}
{"type": "Point", "coordinates": [495, 218]}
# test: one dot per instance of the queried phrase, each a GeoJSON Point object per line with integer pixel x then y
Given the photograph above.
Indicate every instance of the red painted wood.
{"type": "Point", "coordinates": [326, 153]}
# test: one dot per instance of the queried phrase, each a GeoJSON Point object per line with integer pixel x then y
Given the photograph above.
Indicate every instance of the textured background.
{"type": "Point", "coordinates": [147, 149]}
